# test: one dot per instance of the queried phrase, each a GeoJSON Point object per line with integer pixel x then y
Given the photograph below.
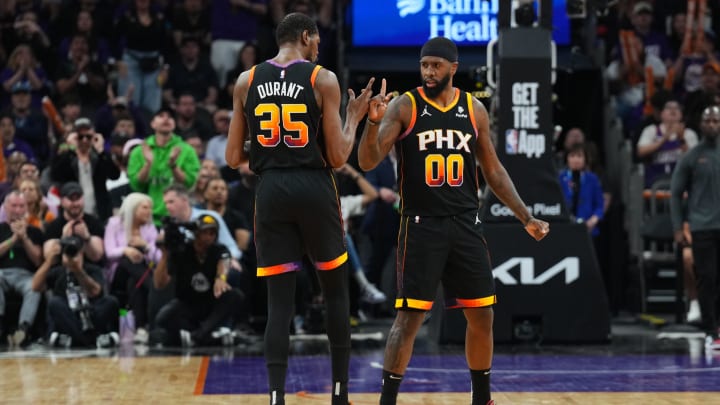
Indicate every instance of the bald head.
{"type": "Point", "coordinates": [710, 123]}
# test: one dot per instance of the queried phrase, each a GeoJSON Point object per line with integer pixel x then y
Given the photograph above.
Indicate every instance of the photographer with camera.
{"type": "Point", "coordinates": [83, 159]}
{"type": "Point", "coordinates": [79, 313]}
{"type": "Point", "coordinates": [203, 299]}
{"type": "Point", "coordinates": [73, 221]}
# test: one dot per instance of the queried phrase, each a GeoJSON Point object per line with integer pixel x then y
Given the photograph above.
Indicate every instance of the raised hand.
{"type": "Point", "coordinates": [378, 104]}
{"type": "Point", "coordinates": [358, 107]}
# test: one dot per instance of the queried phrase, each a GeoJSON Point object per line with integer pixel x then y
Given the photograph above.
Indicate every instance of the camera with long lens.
{"type": "Point", "coordinates": [71, 245]}
{"type": "Point", "coordinates": [176, 232]}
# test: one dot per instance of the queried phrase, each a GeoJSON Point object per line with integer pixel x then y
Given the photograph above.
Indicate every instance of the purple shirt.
{"type": "Point", "coordinates": [116, 242]}
{"type": "Point", "coordinates": [232, 22]}
{"type": "Point", "coordinates": [18, 145]}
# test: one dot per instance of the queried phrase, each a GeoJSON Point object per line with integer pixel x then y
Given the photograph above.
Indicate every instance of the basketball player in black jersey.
{"type": "Point", "coordinates": [288, 108]}
{"type": "Point", "coordinates": [439, 132]}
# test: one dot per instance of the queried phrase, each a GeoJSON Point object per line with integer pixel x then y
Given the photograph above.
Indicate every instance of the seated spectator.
{"type": "Point", "coordinates": [163, 159]}
{"type": "Point", "coordinates": [192, 74]}
{"type": "Point", "coordinates": [208, 171]}
{"type": "Point", "coordinates": [203, 299]}
{"type": "Point", "coordinates": [38, 212]}
{"type": "Point", "coordinates": [661, 146]}
{"type": "Point", "coordinates": [80, 314]}
{"type": "Point", "coordinates": [22, 67]}
{"type": "Point", "coordinates": [191, 119]}
{"type": "Point", "coordinates": [177, 201]}
{"type": "Point", "coordinates": [216, 199]}
{"type": "Point", "coordinates": [12, 172]}
{"type": "Point", "coordinates": [83, 159]}
{"type": "Point", "coordinates": [217, 144]}
{"type": "Point", "coordinates": [31, 125]}
{"type": "Point", "coordinates": [9, 142]}
{"type": "Point", "coordinates": [20, 254]}
{"type": "Point", "coordinates": [582, 190]}
{"type": "Point", "coordinates": [119, 188]}
{"type": "Point", "coordinates": [247, 58]}
{"type": "Point", "coordinates": [131, 254]}
{"type": "Point", "coordinates": [75, 222]}
{"type": "Point", "coordinates": [81, 76]}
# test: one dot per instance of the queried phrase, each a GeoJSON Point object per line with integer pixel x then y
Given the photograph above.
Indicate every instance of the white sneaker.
{"type": "Point", "coordinates": [186, 339]}
{"type": "Point", "coordinates": [372, 295]}
{"type": "Point", "coordinates": [712, 343]}
{"type": "Point", "coordinates": [141, 336]}
{"type": "Point", "coordinates": [224, 334]}
{"type": "Point", "coordinates": [693, 314]}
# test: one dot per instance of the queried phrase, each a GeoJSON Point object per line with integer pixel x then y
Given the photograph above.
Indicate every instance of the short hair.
{"type": "Point", "coordinates": [179, 189]}
{"type": "Point", "coordinates": [14, 192]}
{"type": "Point", "coordinates": [577, 148]}
{"type": "Point", "coordinates": [292, 26]}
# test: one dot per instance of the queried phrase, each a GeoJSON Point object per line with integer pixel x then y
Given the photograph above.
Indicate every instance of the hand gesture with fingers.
{"type": "Point", "coordinates": [378, 104]}
{"type": "Point", "coordinates": [358, 107]}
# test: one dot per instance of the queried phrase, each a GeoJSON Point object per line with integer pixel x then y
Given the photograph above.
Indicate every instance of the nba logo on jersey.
{"type": "Point", "coordinates": [511, 141]}
{"type": "Point", "coordinates": [282, 74]}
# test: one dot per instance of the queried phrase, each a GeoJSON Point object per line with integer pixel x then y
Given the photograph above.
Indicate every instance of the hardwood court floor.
{"type": "Point", "coordinates": [650, 367]}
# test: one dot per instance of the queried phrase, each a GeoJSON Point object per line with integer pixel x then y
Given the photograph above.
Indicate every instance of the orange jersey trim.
{"type": "Point", "coordinates": [471, 113]}
{"type": "Point", "coordinates": [314, 74]}
{"type": "Point", "coordinates": [332, 264]}
{"type": "Point", "coordinates": [251, 75]}
{"type": "Point", "coordinates": [413, 115]}
{"type": "Point", "coordinates": [414, 304]}
{"type": "Point", "coordinates": [472, 303]}
{"type": "Point", "coordinates": [278, 269]}
{"type": "Point", "coordinates": [434, 104]}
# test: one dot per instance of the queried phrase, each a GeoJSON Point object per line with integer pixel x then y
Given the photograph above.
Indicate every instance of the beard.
{"type": "Point", "coordinates": [440, 85]}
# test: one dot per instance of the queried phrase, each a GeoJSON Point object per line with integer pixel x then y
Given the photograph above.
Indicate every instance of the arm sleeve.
{"type": "Point", "coordinates": [136, 162]}
{"type": "Point", "coordinates": [678, 185]}
{"type": "Point", "coordinates": [113, 246]}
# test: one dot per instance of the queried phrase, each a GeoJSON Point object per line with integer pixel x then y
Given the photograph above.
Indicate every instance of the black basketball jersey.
{"type": "Point", "coordinates": [284, 117]}
{"type": "Point", "coordinates": [437, 173]}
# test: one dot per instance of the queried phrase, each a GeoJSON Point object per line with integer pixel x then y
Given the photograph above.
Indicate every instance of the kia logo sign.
{"type": "Point", "coordinates": [569, 265]}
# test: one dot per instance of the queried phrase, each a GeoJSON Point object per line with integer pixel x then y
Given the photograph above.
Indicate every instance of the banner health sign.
{"type": "Point", "coordinates": [387, 23]}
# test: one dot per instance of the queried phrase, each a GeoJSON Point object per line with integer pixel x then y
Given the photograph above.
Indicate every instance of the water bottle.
{"type": "Point", "coordinates": [127, 326]}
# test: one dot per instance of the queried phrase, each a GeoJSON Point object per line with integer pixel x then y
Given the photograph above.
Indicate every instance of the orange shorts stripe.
{"type": "Point", "coordinates": [414, 304]}
{"type": "Point", "coordinates": [332, 264]}
{"type": "Point", "coordinates": [472, 303]}
{"type": "Point", "coordinates": [278, 269]}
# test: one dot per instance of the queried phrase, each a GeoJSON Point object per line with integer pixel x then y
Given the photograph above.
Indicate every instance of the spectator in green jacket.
{"type": "Point", "coordinates": [163, 159]}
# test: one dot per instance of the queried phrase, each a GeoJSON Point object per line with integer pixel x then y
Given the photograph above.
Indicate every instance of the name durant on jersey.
{"type": "Point", "coordinates": [284, 89]}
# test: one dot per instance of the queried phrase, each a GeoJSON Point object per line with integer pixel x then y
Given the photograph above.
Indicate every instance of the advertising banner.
{"type": "Point", "coordinates": [387, 23]}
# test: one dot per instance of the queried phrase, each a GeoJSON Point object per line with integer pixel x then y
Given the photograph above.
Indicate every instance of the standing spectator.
{"type": "Point", "coordinates": [31, 125]}
{"type": "Point", "coordinates": [233, 23]}
{"type": "Point", "coordinates": [83, 159]}
{"type": "Point", "coordinates": [144, 34]}
{"type": "Point", "coordinates": [215, 150]}
{"type": "Point", "coordinates": [163, 159]}
{"type": "Point", "coordinates": [73, 221]}
{"type": "Point", "coordinates": [689, 67]}
{"type": "Point", "coordinates": [23, 67]}
{"type": "Point", "coordinates": [78, 307]}
{"type": "Point", "coordinates": [131, 254]}
{"type": "Point", "coordinates": [655, 43]}
{"type": "Point", "coordinates": [192, 119]}
{"type": "Point", "coordinates": [84, 25]}
{"type": "Point", "coordinates": [581, 188]}
{"type": "Point", "coordinates": [194, 20]}
{"type": "Point", "coordinates": [27, 31]}
{"type": "Point", "coordinates": [109, 114]}
{"type": "Point", "coordinates": [20, 254]}
{"type": "Point", "coordinates": [81, 76]}
{"type": "Point", "coordinates": [662, 145]}
{"type": "Point", "coordinates": [9, 142]}
{"type": "Point", "coordinates": [706, 95]}
{"type": "Point", "coordinates": [698, 175]}
{"type": "Point", "coordinates": [193, 74]}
